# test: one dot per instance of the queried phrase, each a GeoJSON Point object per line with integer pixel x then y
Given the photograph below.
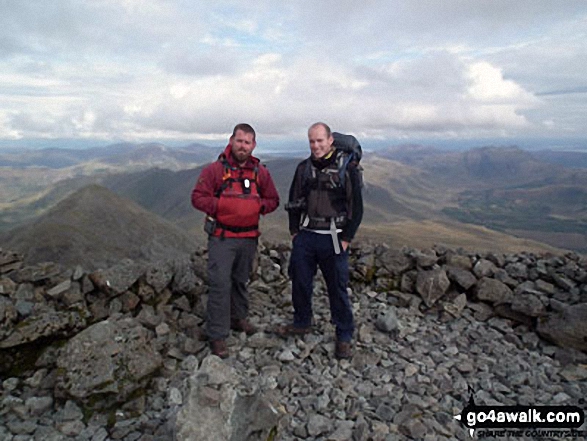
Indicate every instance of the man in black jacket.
{"type": "Point", "coordinates": [325, 209]}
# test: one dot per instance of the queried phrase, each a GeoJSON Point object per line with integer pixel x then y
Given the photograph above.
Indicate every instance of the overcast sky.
{"type": "Point", "coordinates": [141, 70]}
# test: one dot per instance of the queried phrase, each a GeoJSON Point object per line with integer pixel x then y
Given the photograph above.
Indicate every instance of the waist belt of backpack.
{"type": "Point", "coordinates": [332, 229]}
{"type": "Point", "coordinates": [237, 229]}
{"type": "Point", "coordinates": [341, 218]}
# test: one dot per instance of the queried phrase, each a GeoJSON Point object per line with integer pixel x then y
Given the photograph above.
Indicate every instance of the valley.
{"type": "Point", "coordinates": [496, 199]}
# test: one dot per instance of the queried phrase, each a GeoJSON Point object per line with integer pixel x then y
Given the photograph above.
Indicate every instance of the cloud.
{"type": "Point", "coordinates": [489, 86]}
{"type": "Point", "coordinates": [158, 69]}
{"type": "Point", "coordinates": [287, 95]}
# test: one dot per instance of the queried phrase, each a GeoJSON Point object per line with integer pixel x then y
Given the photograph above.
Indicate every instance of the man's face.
{"type": "Point", "coordinates": [320, 142]}
{"type": "Point", "coordinates": [242, 146]}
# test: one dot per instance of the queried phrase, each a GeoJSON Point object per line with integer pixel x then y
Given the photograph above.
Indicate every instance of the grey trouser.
{"type": "Point", "coordinates": [230, 261]}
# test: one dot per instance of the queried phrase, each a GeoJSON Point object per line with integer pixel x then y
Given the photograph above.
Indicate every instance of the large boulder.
{"type": "Point", "coordinates": [51, 324]}
{"type": "Point", "coordinates": [493, 291]}
{"type": "Point", "coordinates": [215, 409]}
{"type": "Point", "coordinates": [566, 327]}
{"type": "Point", "coordinates": [109, 360]}
{"type": "Point", "coordinates": [432, 285]}
{"type": "Point", "coordinates": [462, 277]}
{"type": "Point", "coordinates": [118, 278]}
{"type": "Point", "coordinates": [393, 262]}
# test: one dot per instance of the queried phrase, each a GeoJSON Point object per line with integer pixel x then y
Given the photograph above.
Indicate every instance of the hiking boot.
{"type": "Point", "coordinates": [343, 350]}
{"type": "Point", "coordinates": [219, 348]}
{"type": "Point", "coordinates": [243, 325]}
{"type": "Point", "coordinates": [291, 330]}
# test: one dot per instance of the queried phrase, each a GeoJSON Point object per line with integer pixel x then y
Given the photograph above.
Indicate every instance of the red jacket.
{"type": "Point", "coordinates": [232, 207]}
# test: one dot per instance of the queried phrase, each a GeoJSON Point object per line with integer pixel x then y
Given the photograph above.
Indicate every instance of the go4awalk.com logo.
{"type": "Point", "coordinates": [531, 421]}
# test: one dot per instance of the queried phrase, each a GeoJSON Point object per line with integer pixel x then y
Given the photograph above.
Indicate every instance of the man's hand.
{"type": "Point", "coordinates": [345, 244]}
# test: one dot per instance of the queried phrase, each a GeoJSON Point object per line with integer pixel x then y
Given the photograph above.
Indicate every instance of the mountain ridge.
{"type": "Point", "coordinates": [452, 198]}
{"type": "Point", "coordinates": [95, 227]}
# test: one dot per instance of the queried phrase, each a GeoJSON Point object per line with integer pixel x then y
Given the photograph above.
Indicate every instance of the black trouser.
{"type": "Point", "coordinates": [310, 251]}
{"type": "Point", "coordinates": [230, 261]}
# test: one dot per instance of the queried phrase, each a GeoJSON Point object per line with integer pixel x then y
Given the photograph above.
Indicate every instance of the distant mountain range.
{"type": "Point", "coordinates": [488, 198]}
{"type": "Point", "coordinates": [123, 154]}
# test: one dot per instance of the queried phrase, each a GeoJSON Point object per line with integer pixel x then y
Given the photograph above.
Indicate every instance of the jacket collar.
{"type": "Point", "coordinates": [227, 154]}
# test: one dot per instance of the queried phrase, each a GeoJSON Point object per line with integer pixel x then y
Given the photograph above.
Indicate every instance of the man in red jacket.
{"type": "Point", "coordinates": [233, 192]}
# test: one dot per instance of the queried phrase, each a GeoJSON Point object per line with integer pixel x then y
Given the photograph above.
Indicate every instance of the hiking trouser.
{"type": "Point", "coordinates": [230, 261]}
{"type": "Point", "coordinates": [310, 251]}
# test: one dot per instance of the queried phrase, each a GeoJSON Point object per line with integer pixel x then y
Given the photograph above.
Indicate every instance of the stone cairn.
{"type": "Point", "coordinates": [117, 354]}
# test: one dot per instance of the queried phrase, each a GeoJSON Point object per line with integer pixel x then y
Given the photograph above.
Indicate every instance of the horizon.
{"type": "Point", "coordinates": [272, 146]}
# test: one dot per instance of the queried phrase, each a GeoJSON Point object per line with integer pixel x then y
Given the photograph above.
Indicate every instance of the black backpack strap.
{"type": "Point", "coordinates": [226, 177]}
{"type": "Point", "coordinates": [236, 229]}
{"type": "Point", "coordinates": [343, 163]}
{"type": "Point", "coordinates": [307, 177]}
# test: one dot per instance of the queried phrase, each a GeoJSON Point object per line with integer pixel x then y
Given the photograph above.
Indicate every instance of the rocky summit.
{"type": "Point", "coordinates": [118, 353]}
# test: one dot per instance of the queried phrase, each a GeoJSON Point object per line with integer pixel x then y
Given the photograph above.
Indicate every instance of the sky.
{"type": "Point", "coordinates": [175, 70]}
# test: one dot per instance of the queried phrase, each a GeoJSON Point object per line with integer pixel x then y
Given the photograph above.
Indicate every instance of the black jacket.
{"type": "Point", "coordinates": [355, 202]}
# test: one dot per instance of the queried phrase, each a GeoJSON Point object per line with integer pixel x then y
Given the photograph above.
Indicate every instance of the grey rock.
{"type": "Point", "coordinates": [118, 278]}
{"type": "Point", "coordinates": [159, 276]}
{"type": "Point", "coordinates": [10, 384]}
{"type": "Point", "coordinates": [574, 373]}
{"type": "Point", "coordinates": [215, 410]}
{"type": "Point", "coordinates": [408, 281]}
{"type": "Point", "coordinates": [78, 273]}
{"type": "Point", "coordinates": [398, 385]}
{"type": "Point", "coordinates": [71, 428]}
{"type": "Point", "coordinates": [185, 280]}
{"type": "Point", "coordinates": [39, 405]}
{"type": "Point", "coordinates": [343, 431]}
{"type": "Point", "coordinates": [456, 306]}
{"type": "Point", "coordinates": [567, 327]}
{"type": "Point", "coordinates": [113, 357]}
{"type": "Point", "coordinates": [148, 317]}
{"type": "Point", "coordinates": [7, 257]}
{"type": "Point", "coordinates": [385, 412]}
{"type": "Point", "coordinates": [463, 278]}
{"type": "Point", "coordinates": [494, 291]}
{"type": "Point", "coordinates": [7, 286]}
{"type": "Point", "coordinates": [59, 289]}
{"type": "Point", "coordinates": [318, 425]}
{"type": "Point", "coordinates": [432, 285]}
{"type": "Point", "coordinates": [49, 324]}
{"type": "Point", "coordinates": [484, 268]}
{"type": "Point", "coordinates": [394, 262]}
{"type": "Point", "coordinates": [24, 308]}
{"type": "Point", "coordinates": [563, 282]}
{"type": "Point", "coordinates": [18, 427]}
{"type": "Point", "coordinates": [459, 261]}
{"type": "Point", "coordinates": [496, 258]}
{"type": "Point", "coordinates": [517, 270]}
{"type": "Point", "coordinates": [426, 259]}
{"type": "Point", "coordinates": [37, 273]}
{"type": "Point", "coordinates": [387, 321]}
{"type": "Point", "coordinates": [528, 304]}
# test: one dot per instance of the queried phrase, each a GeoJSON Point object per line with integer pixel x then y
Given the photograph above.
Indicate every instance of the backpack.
{"type": "Point", "coordinates": [352, 151]}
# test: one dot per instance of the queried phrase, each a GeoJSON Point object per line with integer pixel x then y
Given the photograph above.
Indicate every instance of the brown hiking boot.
{"type": "Point", "coordinates": [291, 330]}
{"type": "Point", "coordinates": [343, 350]}
{"type": "Point", "coordinates": [243, 325]}
{"type": "Point", "coordinates": [219, 348]}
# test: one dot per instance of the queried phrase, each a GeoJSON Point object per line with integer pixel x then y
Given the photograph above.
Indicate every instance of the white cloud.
{"type": "Point", "coordinates": [489, 86]}
{"type": "Point", "coordinates": [137, 68]}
